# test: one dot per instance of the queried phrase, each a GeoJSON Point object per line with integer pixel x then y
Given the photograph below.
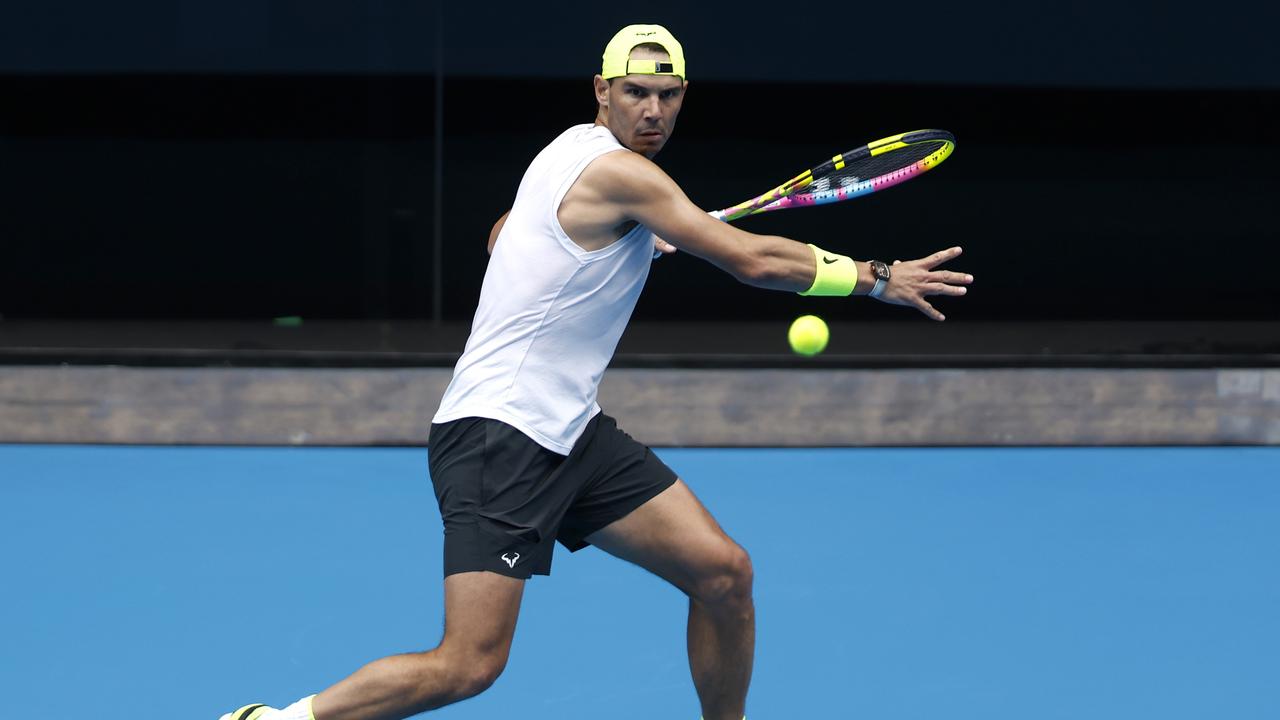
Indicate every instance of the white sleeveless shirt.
{"type": "Point", "coordinates": [550, 313]}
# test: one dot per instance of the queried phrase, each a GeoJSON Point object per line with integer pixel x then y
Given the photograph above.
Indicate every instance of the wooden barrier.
{"type": "Point", "coordinates": [661, 407]}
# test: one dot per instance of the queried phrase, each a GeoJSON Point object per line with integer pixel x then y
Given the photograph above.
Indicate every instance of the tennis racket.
{"type": "Point", "coordinates": [862, 171]}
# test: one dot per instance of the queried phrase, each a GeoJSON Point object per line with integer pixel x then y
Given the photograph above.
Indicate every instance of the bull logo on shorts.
{"type": "Point", "coordinates": [511, 561]}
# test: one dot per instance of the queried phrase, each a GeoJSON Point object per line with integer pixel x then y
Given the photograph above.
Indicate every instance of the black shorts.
{"type": "Point", "coordinates": [505, 499]}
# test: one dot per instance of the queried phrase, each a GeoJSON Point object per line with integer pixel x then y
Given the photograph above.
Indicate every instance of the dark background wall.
{"type": "Point", "coordinates": [1115, 43]}
{"type": "Point", "coordinates": [239, 160]}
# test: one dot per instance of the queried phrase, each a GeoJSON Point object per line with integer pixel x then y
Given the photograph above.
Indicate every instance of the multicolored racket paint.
{"type": "Point", "coordinates": [870, 168]}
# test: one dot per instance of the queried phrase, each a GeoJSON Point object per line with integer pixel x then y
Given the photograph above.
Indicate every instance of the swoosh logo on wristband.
{"type": "Point", "coordinates": [828, 260]}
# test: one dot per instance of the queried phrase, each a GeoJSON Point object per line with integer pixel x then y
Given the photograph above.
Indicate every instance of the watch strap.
{"type": "Point", "coordinates": [881, 272]}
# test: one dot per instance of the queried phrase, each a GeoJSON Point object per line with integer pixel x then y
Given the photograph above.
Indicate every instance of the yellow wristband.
{"type": "Point", "coordinates": [837, 275]}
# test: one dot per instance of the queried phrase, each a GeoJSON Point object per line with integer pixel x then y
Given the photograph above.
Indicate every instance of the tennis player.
{"type": "Point", "coordinates": [520, 453]}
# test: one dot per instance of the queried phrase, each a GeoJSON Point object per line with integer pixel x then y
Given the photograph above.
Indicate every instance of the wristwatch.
{"type": "Point", "coordinates": [882, 274]}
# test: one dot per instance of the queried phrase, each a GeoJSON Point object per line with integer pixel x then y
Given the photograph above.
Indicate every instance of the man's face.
{"type": "Point", "coordinates": [642, 108]}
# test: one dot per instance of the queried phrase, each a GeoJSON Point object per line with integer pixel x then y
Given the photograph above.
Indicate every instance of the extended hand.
{"type": "Point", "coordinates": [911, 281]}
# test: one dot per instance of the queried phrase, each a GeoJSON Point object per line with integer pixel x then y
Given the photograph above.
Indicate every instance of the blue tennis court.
{"type": "Point", "coordinates": [891, 584]}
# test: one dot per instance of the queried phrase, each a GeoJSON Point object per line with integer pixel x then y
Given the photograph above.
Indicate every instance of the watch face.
{"type": "Point", "coordinates": [880, 269]}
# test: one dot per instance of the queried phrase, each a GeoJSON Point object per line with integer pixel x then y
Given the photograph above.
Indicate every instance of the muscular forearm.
{"type": "Point", "coordinates": [778, 263]}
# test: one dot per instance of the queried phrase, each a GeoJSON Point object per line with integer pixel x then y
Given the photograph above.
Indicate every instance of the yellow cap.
{"type": "Point", "coordinates": [617, 54]}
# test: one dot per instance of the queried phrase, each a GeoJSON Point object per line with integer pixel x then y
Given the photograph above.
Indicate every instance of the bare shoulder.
{"type": "Point", "coordinates": [600, 206]}
{"type": "Point", "coordinates": [624, 176]}
{"type": "Point", "coordinates": [620, 188]}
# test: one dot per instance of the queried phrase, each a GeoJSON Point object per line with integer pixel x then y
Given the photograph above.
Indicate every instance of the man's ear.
{"type": "Point", "coordinates": [602, 90]}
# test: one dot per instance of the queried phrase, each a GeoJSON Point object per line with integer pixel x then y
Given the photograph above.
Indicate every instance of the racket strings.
{"type": "Point", "coordinates": [868, 168]}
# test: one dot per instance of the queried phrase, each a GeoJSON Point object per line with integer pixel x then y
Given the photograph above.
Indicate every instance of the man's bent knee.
{"type": "Point", "coordinates": [481, 676]}
{"type": "Point", "coordinates": [471, 673]}
{"type": "Point", "coordinates": [728, 580]}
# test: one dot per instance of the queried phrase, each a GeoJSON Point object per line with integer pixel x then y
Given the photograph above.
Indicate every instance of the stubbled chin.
{"type": "Point", "coordinates": [647, 145]}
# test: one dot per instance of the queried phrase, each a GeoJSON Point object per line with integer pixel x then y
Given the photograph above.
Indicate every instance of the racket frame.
{"type": "Point", "coordinates": [789, 194]}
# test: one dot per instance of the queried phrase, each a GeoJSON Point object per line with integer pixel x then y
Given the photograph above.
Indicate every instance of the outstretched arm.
{"type": "Point", "coordinates": [643, 192]}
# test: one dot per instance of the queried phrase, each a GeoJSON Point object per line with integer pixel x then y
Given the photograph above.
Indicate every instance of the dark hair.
{"type": "Point", "coordinates": [650, 46]}
{"type": "Point", "coordinates": [647, 46]}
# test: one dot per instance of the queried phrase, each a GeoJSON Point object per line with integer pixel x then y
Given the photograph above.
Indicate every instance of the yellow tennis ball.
{"type": "Point", "coordinates": [808, 335]}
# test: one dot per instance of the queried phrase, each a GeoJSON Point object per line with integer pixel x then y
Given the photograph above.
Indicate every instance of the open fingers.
{"type": "Point", "coordinates": [940, 257]}
{"type": "Point", "coordinates": [951, 278]}
{"type": "Point", "coordinates": [930, 311]}
{"type": "Point", "coordinates": [943, 289]}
